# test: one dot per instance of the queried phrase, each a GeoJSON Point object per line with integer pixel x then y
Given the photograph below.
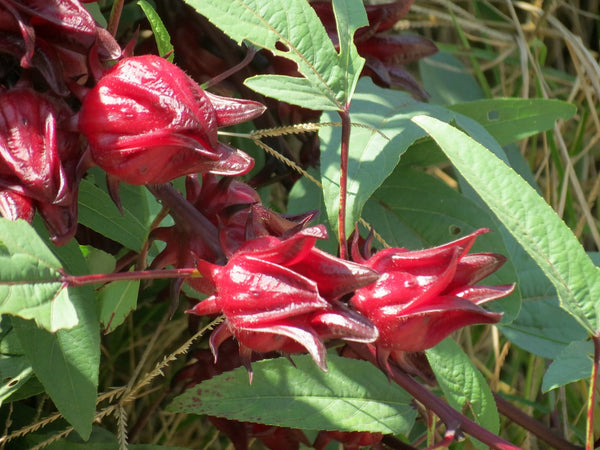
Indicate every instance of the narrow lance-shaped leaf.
{"type": "Point", "coordinates": [529, 219]}
{"type": "Point", "coordinates": [574, 363]}
{"type": "Point", "coordinates": [161, 35]}
{"type": "Point", "coordinates": [98, 212]}
{"type": "Point", "coordinates": [512, 119]}
{"type": "Point", "coordinates": [352, 396]}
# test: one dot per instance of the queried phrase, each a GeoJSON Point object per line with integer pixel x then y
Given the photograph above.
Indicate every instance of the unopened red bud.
{"type": "Point", "coordinates": [423, 296]}
{"type": "Point", "coordinates": [147, 122]}
{"type": "Point", "coordinates": [273, 301]}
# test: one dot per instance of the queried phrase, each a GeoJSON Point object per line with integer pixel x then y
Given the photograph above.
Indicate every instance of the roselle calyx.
{"type": "Point", "coordinates": [38, 161]}
{"type": "Point", "coordinates": [54, 37]}
{"type": "Point", "coordinates": [423, 296]}
{"type": "Point", "coordinates": [232, 213]}
{"type": "Point", "coordinates": [284, 295]}
{"type": "Point", "coordinates": [146, 122]}
{"type": "Point", "coordinates": [15, 206]}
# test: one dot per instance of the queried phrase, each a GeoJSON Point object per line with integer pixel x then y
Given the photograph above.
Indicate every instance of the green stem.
{"type": "Point", "coordinates": [589, 431]}
{"type": "Point", "coordinates": [345, 149]}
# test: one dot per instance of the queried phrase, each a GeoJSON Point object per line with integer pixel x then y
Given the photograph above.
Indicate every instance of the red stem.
{"type": "Point", "coordinates": [453, 419]}
{"type": "Point", "coordinates": [239, 66]}
{"type": "Point", "coordinates": [186, 215]}
{"type": "Point", "coordinates": [542, 432]}
{"type": "Point", "coordinates": [589, 431]}
{"type": "Point", "coordinates": [115, 17]}
{"type": "Point", "coordinates": [81, 280]}
{"type": "Point", "coordinates": [345, 146]}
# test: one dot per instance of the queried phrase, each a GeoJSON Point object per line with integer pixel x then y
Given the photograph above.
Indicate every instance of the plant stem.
{"type": "Point", "coordinates": [453, 419]}
{"type": "Point", "coordinates": [589, 429]}
{"type": "Point", "coordinates": [542, 432]}
{"type": "Point", "coordinates": [250, 53]}
{"type": "Point", "coordinates": [186, 215]}
{"type": "Point", "coordinates": [115, 17]}
{"type": "Point", "coordinates": [345, 148]}
{"type": "Point", "coordinates": [81, 280]}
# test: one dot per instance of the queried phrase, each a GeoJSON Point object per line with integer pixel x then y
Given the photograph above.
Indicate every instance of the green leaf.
{"type": "Point", "coordinates": [382, 133]}
{"type": "Point", "coordinates": [406, 205]}
{"type": "Point", "coordinates": [291, 29]}
{"type": "Point", "coordinates": [574, 363]}
{"type": "Point", "coordinates": [98, 261]}
{"type": "Point", "coordinates": [94, 10]}
{"type": "Point", "coordinates": [542, 327]}
{"type": "Point", "coordinates": [67, 362]}
{"type": "Point", "coordinates": [448, 80]}
{"type": "Point", "coordinates": [98, 212]}
{"type": "Point", "coordinates": [163, 40]}
{"type": "Point", "coordinates": [512, 119]}
{"type": "Point", "coordinates": [463, 385]}
{"type": "Point", "coordinates": [116, 300]}
{"type": "Point", "coordinates": [100, 439]}
{"type": "Point", "coordinates": [296, 91]}
{"type": "Point", "coordinates": [15, 369]}
{"type": "Point", "coordinates": [352, 396]}
{"type": "Point", "coordinates": [374, 149]}
{"type": "Point", "coordinates": [14, 373]}
{"type": "Point", "coordinates": [350, 15]}
{"type": "Point", "coordinates": [30, 274]}
{"type": "Point", "coordinates": [528, 218]}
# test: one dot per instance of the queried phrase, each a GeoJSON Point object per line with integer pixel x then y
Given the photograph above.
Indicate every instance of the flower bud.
{"type": "Point", "coordinates": [38, 160]}
{"type": "Point", "coordinates": [282, 295]}
{"type": "Point", "coordinates": [423, 296]}
{"type": "Point", "coordinates": [147, 122]}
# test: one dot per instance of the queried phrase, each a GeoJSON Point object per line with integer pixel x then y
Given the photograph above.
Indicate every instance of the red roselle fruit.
{"type": "Point", "coordinates": [283, 295]}
{"type": "Point", "coordinates": [147, 122]}
{"type": "Point", "coordinates": [55, 37]}
{"type": "Point", "coordinates": [423, 296]}
{"type": "Point", "coordinates": [233, 209]}
{"type": "Point", "coordinates": [352, 440]}
{"type": "Point", "coordinates": [15, 206]}
{"type": "Point", "coordinates": [38, 161]}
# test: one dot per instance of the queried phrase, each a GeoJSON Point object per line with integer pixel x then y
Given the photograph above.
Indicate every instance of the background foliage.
{"type": "Point", "coordinates": [399, 182]}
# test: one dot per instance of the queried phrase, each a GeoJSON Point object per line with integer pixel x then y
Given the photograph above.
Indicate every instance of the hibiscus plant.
{"type": "Point", "coordinates": [258, 208]}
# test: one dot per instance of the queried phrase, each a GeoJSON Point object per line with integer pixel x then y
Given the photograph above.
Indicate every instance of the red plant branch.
{"type": "Point", "coordinates": [453, 419]}
{"type": "Point", "coordinates": [542, 432]}
{"type": "Point", "coordinates": [187, 215]}
{"type": "Point", "coordinates": [345, 146]}
{"type": "Point", "coordinates": [115, 17]}
{"type": "Point", "coordinates": [95, 278]}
